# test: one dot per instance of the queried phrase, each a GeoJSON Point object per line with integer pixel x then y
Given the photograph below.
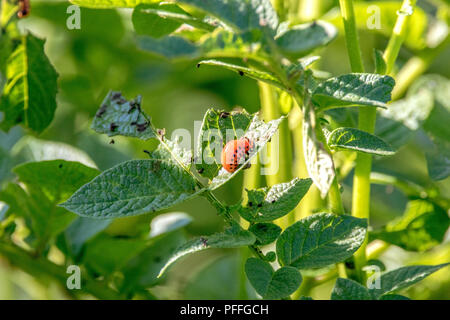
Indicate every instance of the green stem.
{"type": "Point", "coordinates": [280, 9]}
{"type": "Point", "coordinates": [351, 35]}
{"type": "Point", "coordinates": [398, 34]}
{"type": "Point", "coordinates": [279, 149]}
{"type": "Point", "coordinates": [367, 116]}
{"type": "Point", "coordinates": [223, 211]}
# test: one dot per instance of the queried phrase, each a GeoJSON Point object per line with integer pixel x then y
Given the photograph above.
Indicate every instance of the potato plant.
{"type": "Point", "coordinates": [306, 224]}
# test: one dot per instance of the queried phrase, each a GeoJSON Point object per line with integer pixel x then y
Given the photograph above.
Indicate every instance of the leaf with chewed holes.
{"type": "Point", "coordinates": [268, 204]}
{"type": "Point", "coordinates": [133, 187]}
{"type": "Point", "coordinates": [119, 116]}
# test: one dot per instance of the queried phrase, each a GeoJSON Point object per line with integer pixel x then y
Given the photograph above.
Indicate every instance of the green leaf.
{"type": "Point", "coordinates": [118, 116]}
{"type": "Point", "coordinates": [354, 89]}
{"type": "Point", "coordinates": [403, 277]}
{"type": "Point", "coordinates": [218, 127]}
{"type": "Point", "coordinates": [422, 226]}
{"type": "Point", "coordinates": [380, 63]}
{"type": "Point", "coordinates": [224, 43]}
{"type": "Point", "coordinates": [300, 40]}
{"type": "Point", "coordinates": [133, 187]}
{"type": "Point", "coordinates": [151, 19]}
{"type": "Point", "coordinates": [244, 71]}
{"type": "Point", "coordinates": [347, 289]}
{"type": "Point", "coordinates": [170, 47]}
{"type": "Point", "coordinates": [229, 239]}
{"type": "Point", "coordinates": [243, 15]}
{"type": "Point", "coordinates": [268, 204]}
{"type": "Point", "coordinates": [29, 96]}
{"type": "Point", "coordinates": [438, 159]}
{"type": "Point", "coordinates": [160, 19]}
{"type": "Point", "coordinates": [320, 240]}
{"type": "Point", "coordinates": [45, 184]}
{"type": "Point", "coordinates": [111, 3]}
{"type": "Point", "coordinates": [265, 233]}
{"type": "Point", "coordinates": [439, 86]}
{"type": "Point", "coordinates": [259, 132]}
{"type": "Point", "coordinates": [397, 124]}
{"type": "Point", "coordinates": [270, 284]}
{"type": "Point", "coordinates": [357, 140]}
{"type": "Point", "coordinates": [319, 162]}
{"type": "Point", "coordinates": [58, 179]}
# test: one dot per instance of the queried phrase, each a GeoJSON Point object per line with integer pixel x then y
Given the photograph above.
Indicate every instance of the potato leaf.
{"type": "Point", "coordinates": [320, 240]}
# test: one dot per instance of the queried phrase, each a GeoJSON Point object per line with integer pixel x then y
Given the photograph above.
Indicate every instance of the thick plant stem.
{"type": "Point", "coordinates": [351, 35]}
{"type": "Point", "coordinates": [398, 34]}
{"type": "Point", "coordinates": [279, 8]}
{"type": "Point", "coordinates": [223, 211]}
{"type": "Point", "coordinates": [279, 167]}
{"type": "Point", "coordinates": [367, 116]}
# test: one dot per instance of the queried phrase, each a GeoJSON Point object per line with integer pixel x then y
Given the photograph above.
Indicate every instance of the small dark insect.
{"type": "Point", "coordinates": [113, 127]}
{"type": "Point", "coordinates": [60, 166]}
{"type": "Point", "coordinates": [201, 170]}
{"type": "Point", "coordinates": [259, 205]}
{"type": "Point", "coordinates": [241, 73]}
{"type": "Point", "coordinates": [24, 8]}
{"type": "Point", "coordinates": [350, 264]}
{"type": "Point", "coordinates": [161, 132]}
{"type": "Point", "coordinates": [141, 127]}
{"type": "Point", "coordinates": [101, 111]}
{"type": "Point", "coordinates": [112, 141]}
{"type": "Point", "coordinates": [198, 65]}
{"type": "Point", "coordinates": [224, 115]}
{"type": "Point", "coordinates": [250, 203]}
{"type": "Point", "coordinates": [204, 241]}
{"type": "Point", "coordinates": [273, 201]}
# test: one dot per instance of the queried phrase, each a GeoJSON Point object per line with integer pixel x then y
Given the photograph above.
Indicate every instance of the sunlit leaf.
{"type": "Point", "coordinates": [29, 95]}
{"type": "Point", "coordinates": [357, 140]}
{"type": "Point", "coordinates": [355, 89]}
{"type": "Point", "coordinates": [320, 240]}
{"type": "Point", "coordinates": [422, 226]}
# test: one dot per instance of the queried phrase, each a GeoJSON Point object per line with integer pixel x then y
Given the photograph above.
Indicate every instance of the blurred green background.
{"type": "Point", "coordinates": [102, 56]}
